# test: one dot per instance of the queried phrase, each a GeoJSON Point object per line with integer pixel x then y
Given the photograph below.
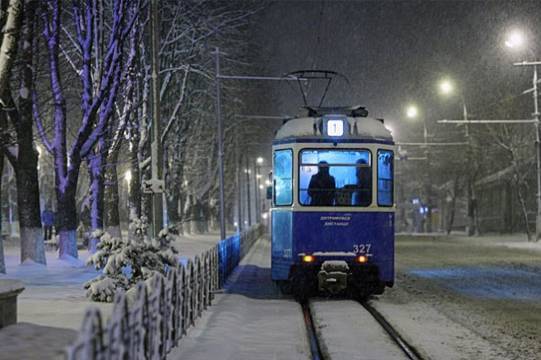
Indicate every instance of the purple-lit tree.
{"type": "Point", "coordinates": [18, 123]}
{"type": "Point", "coordinates": [100, 44]}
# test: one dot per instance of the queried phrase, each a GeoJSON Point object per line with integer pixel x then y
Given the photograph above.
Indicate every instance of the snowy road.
{"type": "Point", "coordinates": [467, 298]}
{"type": "Point", "coordinates": [250, 320]}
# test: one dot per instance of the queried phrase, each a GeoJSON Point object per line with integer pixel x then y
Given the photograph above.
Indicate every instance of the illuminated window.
{"type": "Point", "coordinates": [283, 177]}
{"type": "Point", "coordinates": [335, 177]}
{"type": "Point", "coordinates": [385, 178]}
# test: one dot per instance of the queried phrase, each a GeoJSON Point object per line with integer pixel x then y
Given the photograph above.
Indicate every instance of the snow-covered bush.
{"type": "Point", "coordinates": [125, 262]}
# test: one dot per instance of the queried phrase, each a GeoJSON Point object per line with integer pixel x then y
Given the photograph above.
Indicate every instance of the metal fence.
{"type": "Point", "coordinates": [148, 321]}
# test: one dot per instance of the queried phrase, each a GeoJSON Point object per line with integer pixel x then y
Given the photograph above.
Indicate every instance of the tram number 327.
{"type": "Point", "coordinates": [363, 249]}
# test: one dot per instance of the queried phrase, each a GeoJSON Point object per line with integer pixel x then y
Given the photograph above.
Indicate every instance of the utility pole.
{"type": "Point", "coordinates": [535, 93]}
{"type": "Point", "coordinates": [219, 120]}
{"type": "Point", "coordinates": [428, 183]}
{"type": "Point", "coordinates": [220, 137]}
{"type": "Point", "coordinates": [156, 155]}
{"type": "Point", "coordinates": [471, 228]}
{"type": "Point", "coordinates": [248, 198]}
{"type": "Point", "coordinates": [238, 176]}
{"type": "Point", "coordinates": [257, 193]}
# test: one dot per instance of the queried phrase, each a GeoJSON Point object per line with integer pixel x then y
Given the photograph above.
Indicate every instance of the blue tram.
{"type": "Point", "coordinates": [332, 218]}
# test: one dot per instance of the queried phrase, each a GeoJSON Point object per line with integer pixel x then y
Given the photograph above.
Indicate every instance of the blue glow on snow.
{"type": "Point", "coordinates": [488, 282]}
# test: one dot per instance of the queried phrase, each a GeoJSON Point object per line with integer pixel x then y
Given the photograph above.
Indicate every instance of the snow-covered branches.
{"type": "Point", "coordinates": [124, 263]}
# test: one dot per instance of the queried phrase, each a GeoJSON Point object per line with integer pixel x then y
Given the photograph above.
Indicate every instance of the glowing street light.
{"type": "Point", "coordinates": [412, 111]}
{"type": "Point", "coordinates": [128, 176]}
{"type": "Point", "coordinates": [260, 160]}
{"type": "Point", "coordinates": [446, 87]}
{"type": "Point", "coordinates": [515, 39]}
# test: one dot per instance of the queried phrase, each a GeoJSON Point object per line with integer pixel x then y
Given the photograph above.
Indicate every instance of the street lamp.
{"type": "Point", "coordinates": [412, 112]}
{"type": "Point", "coordinates": [447, 88]}
{"type": "Point", "coordinates": [517, 41]}
{"type": "Point", "coordinates": [260, 160]}
{"type": "Point", "coordinates": [127, 176]}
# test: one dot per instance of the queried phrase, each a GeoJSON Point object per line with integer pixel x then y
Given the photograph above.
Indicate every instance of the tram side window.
{"type": "Point", "coordinates": [385, 178]}
{"type": "Point", "coordinates": [335, 177]}
{"type": "Point", "coordinates": [283, 177]}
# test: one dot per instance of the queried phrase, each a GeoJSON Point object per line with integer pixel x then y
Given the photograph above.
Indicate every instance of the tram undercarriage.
{"type": "Point", "coordinates": [333, 278]}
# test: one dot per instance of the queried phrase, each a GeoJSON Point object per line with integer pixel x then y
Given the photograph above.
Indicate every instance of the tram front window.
{"type": "Point", "coordinates": [335, 178]}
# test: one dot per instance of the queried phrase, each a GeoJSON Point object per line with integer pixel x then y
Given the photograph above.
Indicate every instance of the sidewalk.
{"type": "Point", "coordinates": [250, 320]}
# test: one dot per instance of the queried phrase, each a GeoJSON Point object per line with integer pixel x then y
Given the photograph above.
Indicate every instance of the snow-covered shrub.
{"type": "Point", "coordinates": [125, 262]}
{"type": "Point", "coordinates": [138, 227]}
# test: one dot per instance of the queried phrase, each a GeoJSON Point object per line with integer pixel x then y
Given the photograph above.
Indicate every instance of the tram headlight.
{"type": "Point", "coordinates": [308, 259]}
{"type": "Point", "coordinates": [361, 259]}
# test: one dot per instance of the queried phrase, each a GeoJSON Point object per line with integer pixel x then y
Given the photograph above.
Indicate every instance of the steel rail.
{"type": "Point", "coordinates": [408, 349]}
{"type": "Point", "coordinates": [315, 350]}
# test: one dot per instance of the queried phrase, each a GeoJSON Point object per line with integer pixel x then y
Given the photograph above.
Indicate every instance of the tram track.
{"type": "Point", "coordinates": [409, 350]}
{"type": "Point", "coordinates": [315, 348]}
{"type": "Point", "coordinates": [317, 339]}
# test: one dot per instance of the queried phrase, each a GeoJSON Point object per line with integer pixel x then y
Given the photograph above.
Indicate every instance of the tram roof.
{"type": "Point", "coordinates": [309, 128]}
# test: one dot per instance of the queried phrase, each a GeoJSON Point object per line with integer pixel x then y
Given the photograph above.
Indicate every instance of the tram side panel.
{"type": "Point", "coordinates": [282, 243]}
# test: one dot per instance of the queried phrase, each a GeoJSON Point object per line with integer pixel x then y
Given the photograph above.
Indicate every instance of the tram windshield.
{"type": "Point", "coordinates": [335, 177]}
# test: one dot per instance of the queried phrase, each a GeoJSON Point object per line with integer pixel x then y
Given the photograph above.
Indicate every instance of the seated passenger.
{"type": "Point", "coordinates": [363, 194]}
{"type": "Point", "coordinates": [322, 186]}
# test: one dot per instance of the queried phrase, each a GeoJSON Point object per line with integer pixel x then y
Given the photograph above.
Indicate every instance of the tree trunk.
{"type": "Point", "coordinates": [66, 220]}
{"type": "Point", "coordinates": [2, 261]}
{"type": "Point", "coordinates": [518, 183]}
{"type": "Point", "coordinates": [134, 186]}
{"type": "Point", "coordinates": [453, 207]}
{"type": "Point", "coordinates": [111, 200]}
{"type": "Point", "coordinates": [26, 169]}
{"type": "Point", "coordinates": [97, 184]}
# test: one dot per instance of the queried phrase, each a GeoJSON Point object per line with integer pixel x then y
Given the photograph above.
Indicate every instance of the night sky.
{"type": "Point", "coordinates": [394, 53]}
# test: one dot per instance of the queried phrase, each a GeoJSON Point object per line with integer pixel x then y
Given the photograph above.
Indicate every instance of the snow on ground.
{"type": "Point", "coordinates": [24, 341]}
{"type": "Point", "coordinates": [250, 320]}
{"type": "Point", "coordinates": [53, 303]}
{"type": "Point", "coordinates": [54, 294]}
{"type": "Point", "coordinates": [464, 297]}
{"type": "Point", "coordinates": [432, 333]}
{"type": "Point", "coordinates": [347, 331]}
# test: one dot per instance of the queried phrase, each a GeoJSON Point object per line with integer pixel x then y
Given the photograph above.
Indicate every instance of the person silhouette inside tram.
{"type": "Point", "coordinates": [363, 194]}
{"type": "Point", "coordinates": [322, 186]}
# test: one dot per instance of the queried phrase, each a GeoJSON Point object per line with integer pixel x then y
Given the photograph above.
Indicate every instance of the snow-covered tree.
{"type": "Point", "coordinates": [99, 37]}
{"type": "Point", "coordinates": [16, 109]}
{"type": "Point", "coordinates": [125, 262]}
